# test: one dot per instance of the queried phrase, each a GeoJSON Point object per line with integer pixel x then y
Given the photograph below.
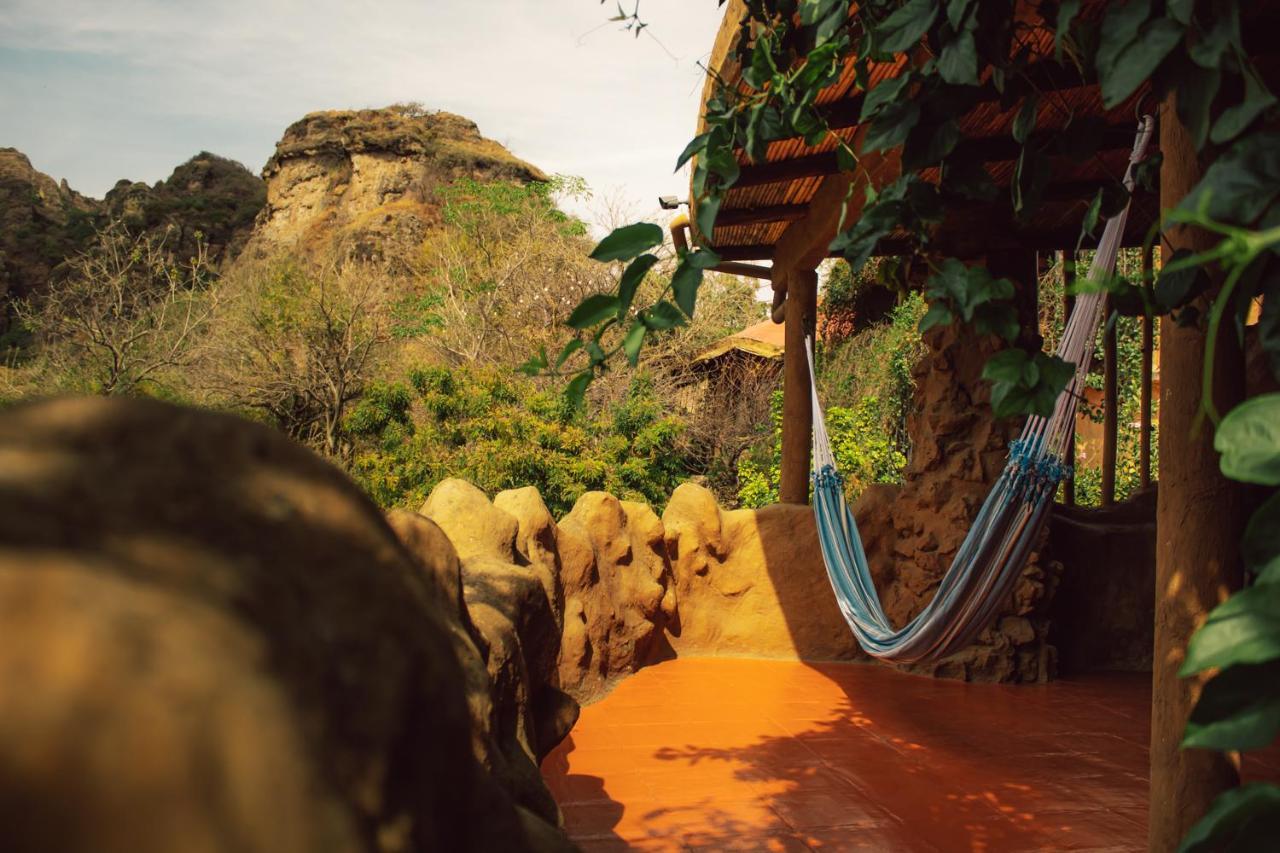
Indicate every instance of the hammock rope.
{"type": "Point", "coordinates": [995, 549]}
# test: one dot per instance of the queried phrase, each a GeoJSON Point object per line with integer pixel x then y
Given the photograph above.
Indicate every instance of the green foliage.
{"type": "Point", "coordinates": [872, 371]}
{"type": "Point", "coordinates": [501, 432]}
{"type": "Point", "coordinates": [865, 453]}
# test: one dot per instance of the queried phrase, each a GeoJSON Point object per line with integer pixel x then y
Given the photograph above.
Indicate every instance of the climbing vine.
{"type": "Point", "coordinates": [949, 55]}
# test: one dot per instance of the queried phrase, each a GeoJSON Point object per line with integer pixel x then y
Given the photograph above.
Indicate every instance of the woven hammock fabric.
{"type": "Point", "coordinates": [997, 545]}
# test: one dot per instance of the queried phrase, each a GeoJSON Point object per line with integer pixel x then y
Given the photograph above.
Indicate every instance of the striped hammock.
{"type": "Point", "coordinates": [993, 554]}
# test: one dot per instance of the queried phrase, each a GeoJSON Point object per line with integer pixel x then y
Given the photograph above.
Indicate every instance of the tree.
{"type": "Point", "coordinates": [124, 317]}
{"type": "Point", "coordinates": [299, 343]}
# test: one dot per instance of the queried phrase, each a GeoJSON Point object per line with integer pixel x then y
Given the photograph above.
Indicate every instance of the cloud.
{"type": "Point", "coordinates": [97, 91]}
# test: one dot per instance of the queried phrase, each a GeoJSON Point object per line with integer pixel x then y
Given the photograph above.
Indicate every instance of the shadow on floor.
{"type": "Point", "coordinates": [756, 755]}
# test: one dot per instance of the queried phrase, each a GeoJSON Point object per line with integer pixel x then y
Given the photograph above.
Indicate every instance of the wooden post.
{"type": "Point", "coordinates": [1199, 520]}
{"type": "Point", "coordinates": [797, 406]}
{"type": "Point", "coordinates": [1069, 303]}
{"type": "Point", "coordinates": [1148, 346]}
{"type": "Point", "coordinates": [1110, 407]}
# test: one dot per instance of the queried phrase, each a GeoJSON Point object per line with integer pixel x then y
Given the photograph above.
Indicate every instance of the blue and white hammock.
{"type": "Point", "coordinates": [992, 556]}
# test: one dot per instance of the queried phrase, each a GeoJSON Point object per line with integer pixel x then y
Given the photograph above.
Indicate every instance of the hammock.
{"type": "Point", "coordinates": [994, 551]}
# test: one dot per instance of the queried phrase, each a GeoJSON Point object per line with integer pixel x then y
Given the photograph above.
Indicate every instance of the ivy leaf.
{"type": "Point", "coordinates": [926, 145]}
{"type": "Point", "coordinates": [1244, 629]}
{"type": "Point", "coordinates": [1138, 60]}
{"type": "Point", "coordinates": [630, 281]}
{"type": "Point", "coordinates": [1030, 176]}
{"type": "Point", "coordinates": [684, 286]}
{"type": "Point", "coordinates": [1244, 818]}
{"type": "Point", "coordinates": [535, 365]}
{"type": "Point", "coordinates": [891, 125]}
{"type": "Point", "coordinates": [1025, 121]}
{"type": "Point", "coordinates": [1236, 119]}
{"type": "Point", "coordinates": [695, 147]}
{"type": "Point", "coordinates": [957, 11]}
{"type": "Point", "coordinates": [1196, 87]}
{"type": "Point", "coordinates": [1119, 28]}
{"type": "Point", "coordinates": [1181, 286]}
{"type": "Point", "coordinates": [958, 62]}
{"type": "Point", "coordinates": [1249, 440]}
{"type": "Point", "coordinates": [633, 342]}
{"type": "Point", "coordinates": [1260, 548]}
{"type": "Point", "coordinates": [1180, 10]}
{"type": "Point", "coordinates": [569, 349]}
{"type": "Point", "coordinates": [1211, 48]}
{"type": "Point", "coordinates": [883, 93]}
{"type": "Point", "coordinates": [997, 319]}
{"type": "Point", "coordinates": [937, 315]}
{"type": "Point", "coordinates": [1066, 14]}
{"type": "Point", "coordinates": [703, 259]}
{"type": "Point", "coordinates": [1238, 710]}
{"type": "Point", "coordinates": [664, 315]}
{"type": "Point", "coordinates": [904, 28]}
{"type": "Point", "coordinates": [627, 242]}
{"type": "Point", "coordinates": [576, 391]}
{"type": "Point", "coordinates": [594, 309]}
{"type": "Point", "coordinates": [1023, 384]}
{"type": "Point", "coordinates": [708, 210]}
{"type": "Point", "coordinates": [1241, 183]}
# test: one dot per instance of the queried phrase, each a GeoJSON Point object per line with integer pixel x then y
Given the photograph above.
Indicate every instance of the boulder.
{"type": "Point", "coordinates": [750, 582]}
{"type": "Point", "coordinates": [618, 593]}
{"type": "Point", "coordinates": [506, 597]}
{"type": "Point", "coordinates": [214, 642]}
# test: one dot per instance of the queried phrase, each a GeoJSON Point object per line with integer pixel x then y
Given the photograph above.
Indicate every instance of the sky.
{"type": "Point", "coordinates": [98, 90]}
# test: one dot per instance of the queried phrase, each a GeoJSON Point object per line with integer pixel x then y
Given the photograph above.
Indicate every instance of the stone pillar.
{"type": "Point", "coordinates": [1199, 518]}
{"type": "Point", "coordinates": [797, 405]}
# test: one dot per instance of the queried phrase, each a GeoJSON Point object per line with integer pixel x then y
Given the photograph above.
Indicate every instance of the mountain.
{"type": "Point", "coordinates": [365, 181]}
{"type": "Point", "coordinates": [44, 222]}
{"type": "Point", "coordinates": [41, 222]}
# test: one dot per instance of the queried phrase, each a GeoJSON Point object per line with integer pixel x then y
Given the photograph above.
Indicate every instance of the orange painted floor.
{"type": "Point", "coordinates": [767, 755]}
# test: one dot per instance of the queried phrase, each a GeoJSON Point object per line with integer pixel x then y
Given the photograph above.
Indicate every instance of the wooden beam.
{"type": "Point", "coordinates": [989, 149]}
{"type": "Point", "coordinates": [1067, 270]}
{"type": "Point", "coordinates": [1199, 521]}
{"type": "Point", "coordinates": [766, 213]}
{"type": "Point", "coordinates": [1110, 415]}
{"type": "Point", "coordinates": [797, 404]}
{"type": "Point", "coordinates": [1148, 346]}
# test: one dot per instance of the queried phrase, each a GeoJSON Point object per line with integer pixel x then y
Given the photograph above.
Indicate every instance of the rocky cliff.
{"type": "Point", "coordinates": [41, 222]}
{"type": "Point", "coordinates": [365, 181]}
{"type": "Point", "coordinates": [44, 222]}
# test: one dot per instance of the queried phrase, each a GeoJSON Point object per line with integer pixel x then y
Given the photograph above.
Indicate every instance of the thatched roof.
{"type": "Point", "coordinates": [775, 195]}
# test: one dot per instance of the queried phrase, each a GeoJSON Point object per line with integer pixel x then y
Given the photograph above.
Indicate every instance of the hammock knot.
{"type": "Point", "coordinates": [827, 477]}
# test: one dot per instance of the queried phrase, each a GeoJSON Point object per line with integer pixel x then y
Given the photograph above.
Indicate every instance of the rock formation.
{"type": "Point", "coordinates": [912, 531]}
{"type": "Point", "coordinates": [364, 181]}
{"type": "Point", "coordinates": [217, 198]}
{"type": "Point", "coordinates": [43, 222]}
{"type": "Point", "coordinates": [750, 582]}
{"type": "Point", "coordinates": [214, 642]}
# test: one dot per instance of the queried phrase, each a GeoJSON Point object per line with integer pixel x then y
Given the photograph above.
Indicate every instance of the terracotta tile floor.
{"type": "Point", "coordinates": [766, 755]}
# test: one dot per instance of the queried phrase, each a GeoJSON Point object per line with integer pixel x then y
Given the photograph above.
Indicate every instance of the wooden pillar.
{"type": "Point", "coordinates": [1199, 520]}
{"type": "Point", "coordinates": [797, 405]}
{"type": "Point", "coordinates": [1110, 407]}
{"type": "Point", "coordinates": [1148, 347]}
{"type": "Point", "coordinates": [1068, 305]}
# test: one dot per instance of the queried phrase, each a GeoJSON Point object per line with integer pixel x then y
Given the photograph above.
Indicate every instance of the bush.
{"type": "Point", "coordinates": [503, 432]}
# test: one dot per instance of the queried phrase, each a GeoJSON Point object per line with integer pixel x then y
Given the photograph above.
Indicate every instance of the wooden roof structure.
{"type": "Point", "coordinates": [787, 208]}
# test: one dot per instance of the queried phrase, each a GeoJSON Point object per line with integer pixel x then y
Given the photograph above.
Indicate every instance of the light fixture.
{"type": "Point", "coordinates": [670, 202]}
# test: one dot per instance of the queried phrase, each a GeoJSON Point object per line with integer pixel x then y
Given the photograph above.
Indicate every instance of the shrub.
{"type": "Point", "coordinates": [502, 432]}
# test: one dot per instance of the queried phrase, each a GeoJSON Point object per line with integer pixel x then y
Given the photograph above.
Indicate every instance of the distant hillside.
{"type": "Point", "coordinates": [208, 194]}
{"type": "Point", "coordinates": [43, 222]}
{"type": "Point", "coordinates": [364, 181]}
